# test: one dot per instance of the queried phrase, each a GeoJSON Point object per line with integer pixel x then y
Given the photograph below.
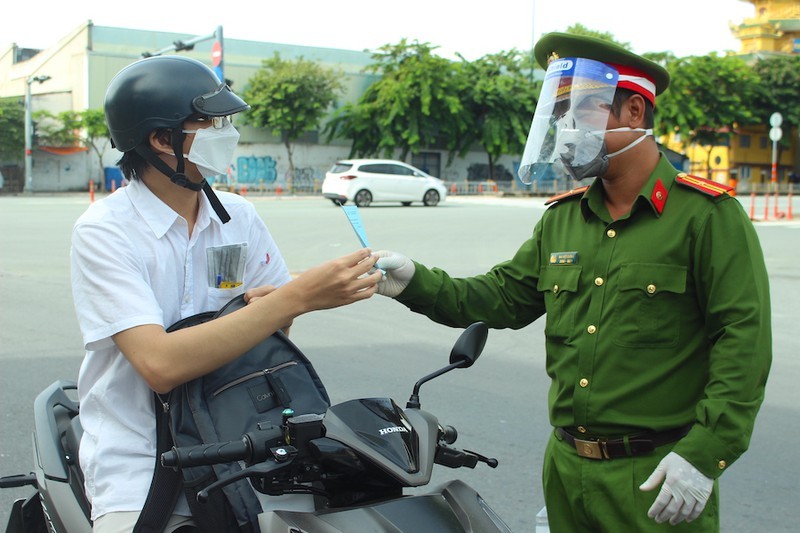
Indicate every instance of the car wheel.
{"type": "Point", "coordinates": [431, 198]}
{"type": "Point", "coordinates": [363, 198]}
{"type": "Point", "coordinates": [406, 204]}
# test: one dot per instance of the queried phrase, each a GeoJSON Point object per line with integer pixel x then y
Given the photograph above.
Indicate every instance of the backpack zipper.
{"type": "Point", "coordinates": [253, 375]}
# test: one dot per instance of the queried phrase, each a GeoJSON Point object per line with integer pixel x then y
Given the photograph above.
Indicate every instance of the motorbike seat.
{"type": "Point", "coordinates": [72, 441]}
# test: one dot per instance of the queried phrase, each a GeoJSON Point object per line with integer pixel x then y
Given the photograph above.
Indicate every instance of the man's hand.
{"type": "Point", "coordinates": [684, 492]}
{"type": "Point", "coordinates": [399, 271]}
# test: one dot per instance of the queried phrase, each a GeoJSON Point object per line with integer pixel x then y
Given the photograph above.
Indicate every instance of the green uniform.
{"type": "Point", "coordinates": [654, 321]}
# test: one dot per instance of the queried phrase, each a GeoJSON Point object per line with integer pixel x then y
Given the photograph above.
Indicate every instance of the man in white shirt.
{"type": "Point", "coordinates": [158, 251]}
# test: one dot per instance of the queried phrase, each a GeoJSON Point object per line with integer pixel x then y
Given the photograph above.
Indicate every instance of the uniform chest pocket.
{"type": "Point", "coordinates": [219, 297]}
{"type": "Point", "coordinates": [647, 313]}
{"type": "Point", "coordinates": [559, 285]}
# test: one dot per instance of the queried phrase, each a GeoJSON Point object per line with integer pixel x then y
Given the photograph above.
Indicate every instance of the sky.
{"type": "Point", "coordinates": [471, 28]}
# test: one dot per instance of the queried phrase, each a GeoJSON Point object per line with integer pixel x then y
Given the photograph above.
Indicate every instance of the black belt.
{"type": "Point", "coordinates": [622, 446]}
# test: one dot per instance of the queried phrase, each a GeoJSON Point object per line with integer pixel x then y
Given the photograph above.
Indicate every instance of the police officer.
{"type": "Point", "coordinates": [159, 250]}
{"type": "Point", "coordinates": [656, 298]}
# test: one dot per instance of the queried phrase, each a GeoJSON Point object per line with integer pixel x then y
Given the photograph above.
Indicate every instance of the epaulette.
{"type": "Point", "coordinates": [564, 195]}
{"type": "Point", "coordinates": [709, 187]}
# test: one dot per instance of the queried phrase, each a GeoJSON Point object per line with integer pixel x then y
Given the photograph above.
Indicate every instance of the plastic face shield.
{"type": "Point", "coordinates": [570, 119]}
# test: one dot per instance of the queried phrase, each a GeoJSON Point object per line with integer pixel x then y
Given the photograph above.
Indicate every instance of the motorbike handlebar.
{"type": "Point", "coordinates": [206, 454]}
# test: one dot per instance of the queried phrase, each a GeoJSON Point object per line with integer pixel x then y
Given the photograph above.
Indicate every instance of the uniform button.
{"type": "Point", "coordinates": [591, 329]}
{"type": "Point", "coordinates": [651, 289]}
{"type": "Point", "coordinates": [611, 233]}
{"type": "Point", "coordinates": [722, 465]}
{"type": "Point", "coordinates": [584, 382]}
{"type": "Point", "coordinates": [598, 281]}
{"type": "Point", "coordinates": [582, 429]}
{"type": "Point", "coordinates": [555, 288]}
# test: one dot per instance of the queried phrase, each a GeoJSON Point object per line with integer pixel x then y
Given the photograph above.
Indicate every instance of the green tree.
{"type": "Point", "coordinates": [499, 99]}
{"type": "Point", "coordinates": [75, 128]}
{"type": "Point", "coordinates": [414, 104]}
{"type": "Point", "coordinates": [580, 29]}
{"type": "Point", "coordinates": [708, 98]}
{"type": "Point", "coordinates": [780, 79]}
{"type": "Point", "coordinates": [12, 129]}
{"type": "Point", "coordinates": [290, 98]}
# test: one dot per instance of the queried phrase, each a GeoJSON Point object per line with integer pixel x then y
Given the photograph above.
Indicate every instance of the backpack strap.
{"type": "Point", "coordinates": [166, 486]}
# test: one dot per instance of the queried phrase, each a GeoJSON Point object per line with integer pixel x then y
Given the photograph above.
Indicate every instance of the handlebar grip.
{"type": "Point", "coordinates": [448, 434]}
{"type": "Point", "coordinates": [206, 454]}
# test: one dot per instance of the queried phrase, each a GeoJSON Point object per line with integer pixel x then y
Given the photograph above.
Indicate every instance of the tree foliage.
{"type": "Point", "coordinates": [780, 79]}
{"type": "Point", "coordinates": [75, 128]}
{"type": "Point", "coordinates": [414, 104]}
{"type": "Point", "coordinates": [708, 98]}
{"type": "Point", "coordinates": [580, 29]}
{"type": "Point", "coordinates": [499, 100]}
{"type": "Point", "coordinates": [290, 98]}
{"type": "Point", "coordinates": [12, 129]}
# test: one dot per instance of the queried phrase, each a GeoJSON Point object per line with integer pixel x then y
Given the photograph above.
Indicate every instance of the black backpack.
{"type": "Point", "coordinates": [242, 396]}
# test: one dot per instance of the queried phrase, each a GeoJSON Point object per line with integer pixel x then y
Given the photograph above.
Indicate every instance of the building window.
{"type": "Point", "coordinates": [745, 173]}
{"type": "Point", "coordinates": [744, 141]}
{"type": "Point", "coordinates": [430, 162]}
{"type": "Point", "coordinates": [763, 142]}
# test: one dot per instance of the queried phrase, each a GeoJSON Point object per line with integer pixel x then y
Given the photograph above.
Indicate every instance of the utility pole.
{"type": "Point", "coordinates": [180, 46]}
{"type": "Point", "coordinates": [29, 131]}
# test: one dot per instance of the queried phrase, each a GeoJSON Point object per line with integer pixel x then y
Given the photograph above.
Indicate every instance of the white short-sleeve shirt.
{"type": "Point", "coordinates": [133, 263]}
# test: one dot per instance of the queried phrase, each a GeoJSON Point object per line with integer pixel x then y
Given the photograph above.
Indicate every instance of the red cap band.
{"type": "Point", "coordinates": [637, 81]}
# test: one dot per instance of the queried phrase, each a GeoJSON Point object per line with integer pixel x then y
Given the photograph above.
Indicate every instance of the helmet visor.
{"type": "Point", "coordinates": [570, 119]}
{"type": "Point", "coordinates": [221, 102]}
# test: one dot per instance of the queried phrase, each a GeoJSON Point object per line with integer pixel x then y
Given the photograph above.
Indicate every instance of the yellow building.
{"type": "Point", "coordinates": [746, 162]}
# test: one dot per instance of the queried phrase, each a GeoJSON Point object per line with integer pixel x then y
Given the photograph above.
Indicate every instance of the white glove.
{"type": "Point", "coordinates": [683, 495]}
{"type": "Point", "coordinates": [399, 270]}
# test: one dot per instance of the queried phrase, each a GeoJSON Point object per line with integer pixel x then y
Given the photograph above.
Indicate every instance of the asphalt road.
{"type": "Point", "coordinates": [378, 348]}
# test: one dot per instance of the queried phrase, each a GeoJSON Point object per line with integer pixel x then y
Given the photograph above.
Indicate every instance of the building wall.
{"type": "Point", "coordinates": [85, 60]}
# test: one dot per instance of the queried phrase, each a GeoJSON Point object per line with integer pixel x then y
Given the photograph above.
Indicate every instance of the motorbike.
{"type": "Point", "coordinates": [358, 460]}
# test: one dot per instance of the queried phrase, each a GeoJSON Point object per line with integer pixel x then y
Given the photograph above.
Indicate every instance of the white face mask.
{"type": "Point", "coordinates": [213, 148]}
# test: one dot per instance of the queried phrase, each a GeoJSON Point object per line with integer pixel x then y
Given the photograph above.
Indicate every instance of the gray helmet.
{"type": "Point", "coordinates": [162, 92]}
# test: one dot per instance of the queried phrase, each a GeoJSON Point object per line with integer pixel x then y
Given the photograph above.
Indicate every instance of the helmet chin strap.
{"type": "Point", "coordinates": [177, 175]}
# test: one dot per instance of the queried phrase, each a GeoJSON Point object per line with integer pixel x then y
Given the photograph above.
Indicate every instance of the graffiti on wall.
{"type": "Point", "coordinates": [254, 169]}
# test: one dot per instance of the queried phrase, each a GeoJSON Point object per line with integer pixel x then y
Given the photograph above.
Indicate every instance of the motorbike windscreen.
{"type": "Point", "coordinates": [570, 120]}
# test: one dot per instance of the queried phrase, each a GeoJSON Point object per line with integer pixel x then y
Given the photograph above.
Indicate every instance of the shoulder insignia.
{"type": "Point", "coordinates": [709, 187]}
{"type": "Point", "coordinates": [564, 195]}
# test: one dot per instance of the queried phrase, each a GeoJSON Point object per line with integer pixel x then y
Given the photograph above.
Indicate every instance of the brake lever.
{"type": "Point", "coordinates": [283, 458]}
{"type": "Point", "coordinates": [490, 461]}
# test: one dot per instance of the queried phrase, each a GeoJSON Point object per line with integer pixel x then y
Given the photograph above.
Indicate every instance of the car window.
{"type": "Point", "coordinates": [341, 167]}
{"type": "Point", "coordinates": [375, 168]}
{"type": "Point", "coordinates": [401, 171]}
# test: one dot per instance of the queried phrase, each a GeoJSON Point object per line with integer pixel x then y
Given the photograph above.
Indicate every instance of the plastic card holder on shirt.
{"type": "Point", "coordinates": [226, 265]}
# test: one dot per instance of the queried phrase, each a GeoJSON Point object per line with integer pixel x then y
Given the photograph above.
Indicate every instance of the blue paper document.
{"type": "Point", "coordinates": [355, 220]}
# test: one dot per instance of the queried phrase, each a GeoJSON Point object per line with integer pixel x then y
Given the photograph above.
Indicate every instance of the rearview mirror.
{"type": "Point", "coordinates": [469, 345]}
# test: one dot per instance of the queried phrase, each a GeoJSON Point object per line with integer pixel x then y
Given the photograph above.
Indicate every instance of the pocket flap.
{"type": "Point", "coordinates": [559, 278]}
{"type": "Point", "coordinates": [652, 278]}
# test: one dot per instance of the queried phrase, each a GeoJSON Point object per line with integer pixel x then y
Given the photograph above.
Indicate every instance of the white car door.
{"type": "Point", "coordinates": [410, 184]}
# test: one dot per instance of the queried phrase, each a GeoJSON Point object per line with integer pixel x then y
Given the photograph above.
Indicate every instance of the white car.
{"type": "Point", "coordinates": [364, 181]}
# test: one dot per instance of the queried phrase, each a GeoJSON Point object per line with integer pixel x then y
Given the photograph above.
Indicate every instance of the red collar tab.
{"type": "Point", "coordinates": [659, 196]}
{"type": "Point", "coordinates": [709, 187]}
{"type": "Point", "coordinates": [564, 195]}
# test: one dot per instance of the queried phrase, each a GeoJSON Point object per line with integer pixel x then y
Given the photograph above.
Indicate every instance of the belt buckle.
{"type": "Point", "coordinates": [592, 449]}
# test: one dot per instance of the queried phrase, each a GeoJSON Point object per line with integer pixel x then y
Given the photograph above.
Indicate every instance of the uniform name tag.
{"type": "Point", "coordinates": [563, 258]}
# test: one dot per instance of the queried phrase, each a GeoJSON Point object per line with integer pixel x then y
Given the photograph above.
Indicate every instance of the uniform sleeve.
{"type": "Point", "coordinates": [504, 297]}
{"type": "Point", "coordinates": [109, 285]}
{"type": "Point", "coordinates": [733, 291]}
